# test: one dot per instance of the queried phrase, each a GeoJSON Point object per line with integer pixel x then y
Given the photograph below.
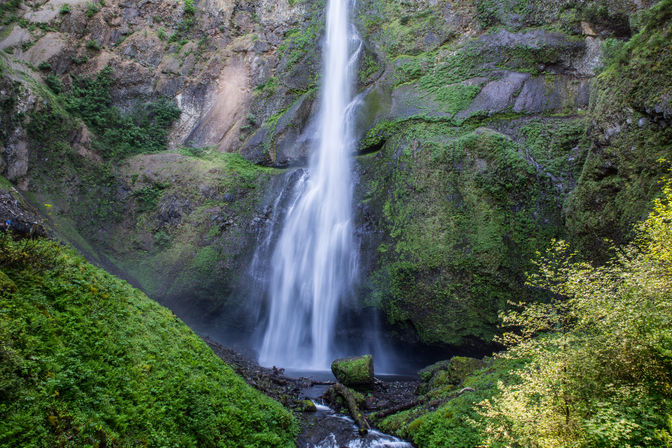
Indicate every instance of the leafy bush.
{"type": "Point", "coordinates": [65, 9]}
{"type": "Point", "coordinates": [144, 129]}
{"type": "Point", "coordinates": [7, 11]}
{"type": "Point", "coordinates": [87, 360]}
{"type": "Point", "coordinates": [189, 8]}
{"type": "Point", "coordinates": [54, 83]}
{"type": "Point", "coordinates": [91, 10]}
{"type": "Point", "coordinates": [93, 45]}
{"type": "Point", "coordinates": [601, 349]}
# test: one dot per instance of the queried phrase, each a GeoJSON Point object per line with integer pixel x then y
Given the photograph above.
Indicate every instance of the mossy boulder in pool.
{"type": "Point", "coordinates": [355, 371]}
{"type": "Point", "coordinates": [306, 406]}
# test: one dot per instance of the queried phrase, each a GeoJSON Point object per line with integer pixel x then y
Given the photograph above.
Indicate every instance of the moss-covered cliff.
{"type": "Point", "coordinates": [631, 133]}
{"type": "Point", "coordinates": [488, 127]}
{"type": "Point", "coordinates": [491, 127]}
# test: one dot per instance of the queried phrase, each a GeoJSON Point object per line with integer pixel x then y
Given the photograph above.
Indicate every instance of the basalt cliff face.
{"type": "Point", "coordinates": [487, 128]}
{"type": "Point", "coordinates": [212, 79]}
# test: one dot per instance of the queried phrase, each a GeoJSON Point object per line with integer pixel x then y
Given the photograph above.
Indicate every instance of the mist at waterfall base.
{"type": "Point", "coordinates": [300, 300]}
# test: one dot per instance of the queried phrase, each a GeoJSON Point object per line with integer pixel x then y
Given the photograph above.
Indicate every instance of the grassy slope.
{"type": "Point", "coordinates": [87, 360]}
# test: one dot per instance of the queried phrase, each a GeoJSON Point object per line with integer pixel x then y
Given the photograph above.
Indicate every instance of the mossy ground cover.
{"type": "Point", "coordinates": [452, 420]}
{"type": "Point", "coordinates": [562, 15]}
{"type": "Point", "coordinates": [89, 361]}
{"type": "Point", "coordinates": [194, 232]}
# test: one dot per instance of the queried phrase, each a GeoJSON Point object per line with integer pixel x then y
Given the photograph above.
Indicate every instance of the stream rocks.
{"type": "Point", "coordinates": [448, 373]}
{"type": "Point", "coordinates": [354, 371]}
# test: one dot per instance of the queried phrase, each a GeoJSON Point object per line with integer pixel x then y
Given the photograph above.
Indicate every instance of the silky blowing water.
{"type": "Point", "coordinates": [314, 263]}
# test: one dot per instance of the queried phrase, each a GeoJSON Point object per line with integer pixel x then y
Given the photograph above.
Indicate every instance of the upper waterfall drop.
{"type": "Point", "coordinates": [314, 263]}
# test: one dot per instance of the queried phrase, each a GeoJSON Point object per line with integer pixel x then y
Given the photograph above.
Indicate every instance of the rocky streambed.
{"type": "Point", "coordinates": [325, 416]}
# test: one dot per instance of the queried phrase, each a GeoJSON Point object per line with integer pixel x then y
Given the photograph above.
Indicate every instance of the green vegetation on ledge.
{"type": "Point", "coordinates": [144, 130]}
{"type": "Point", "coordinates": [86, 360]}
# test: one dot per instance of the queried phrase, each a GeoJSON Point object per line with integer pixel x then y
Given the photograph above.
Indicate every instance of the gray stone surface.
{"type": "Point", "coordinates": [496, 95]}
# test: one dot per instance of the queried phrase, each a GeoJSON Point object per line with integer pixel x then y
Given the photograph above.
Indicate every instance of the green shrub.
{"type": "Point", "coordinates": [600, 351]}
{"type": "Point", "coordinates": [79, 60]}
{"type": "Point", "coordinates": [65, 9]}
{"type": "Point", "coordinates": [91, 10]}
{"type": "Point", "coordinates": [44, 65]}
{"type": "Point", "coordinates": [93, 45]}
{"type": "Point", "coordinates": [144, 129]}
{"type": "Point", "coordinates": [7, 11]}
{"type": "Point", "coordinates": [189, 8]}
{"type": "Point", "coordinates": [54, 83]}
{"type": "Point", "coordinates": [149, 196]}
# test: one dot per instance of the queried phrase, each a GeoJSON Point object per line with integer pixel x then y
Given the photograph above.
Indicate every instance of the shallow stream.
{"type": "Point", "coordinates": [326, 428]}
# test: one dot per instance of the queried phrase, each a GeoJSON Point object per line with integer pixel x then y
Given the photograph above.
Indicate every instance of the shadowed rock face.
{"type": "Point", "coordinates": [446, 238]}
{"type": "Point", "coordinates": [17, 216]}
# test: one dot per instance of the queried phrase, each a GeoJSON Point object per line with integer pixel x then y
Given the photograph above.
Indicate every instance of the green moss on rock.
{"type": "Point", "coordinates": [356, 371]}
{"type": "Point", "coordinates": [463, 212]}
{"type": "Point", "coordinates": [456, 422]}
{"type": "Point", "coordinates": [631, 113]}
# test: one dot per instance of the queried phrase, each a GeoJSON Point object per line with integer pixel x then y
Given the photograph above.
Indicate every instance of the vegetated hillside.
{"type": "Point", "coordinates": [494, 126]}
{"type": "Point", "coordinates": [87, 360]}
{"type": "Point", "coordinates": [588, 368]}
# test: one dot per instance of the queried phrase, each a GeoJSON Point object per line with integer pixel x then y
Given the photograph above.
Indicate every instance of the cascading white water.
{"type": "Point", "coordinates": [314, 263]}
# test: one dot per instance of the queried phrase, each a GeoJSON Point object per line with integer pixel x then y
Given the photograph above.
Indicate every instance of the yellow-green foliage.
{"type": "Point", "coordinates": [87, 360]}
{"type": "Point", "coordinates": [601, 350]}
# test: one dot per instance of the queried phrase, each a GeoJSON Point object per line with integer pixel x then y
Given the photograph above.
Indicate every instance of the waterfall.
{"type": "Point", "coordinates": [314, 263]}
